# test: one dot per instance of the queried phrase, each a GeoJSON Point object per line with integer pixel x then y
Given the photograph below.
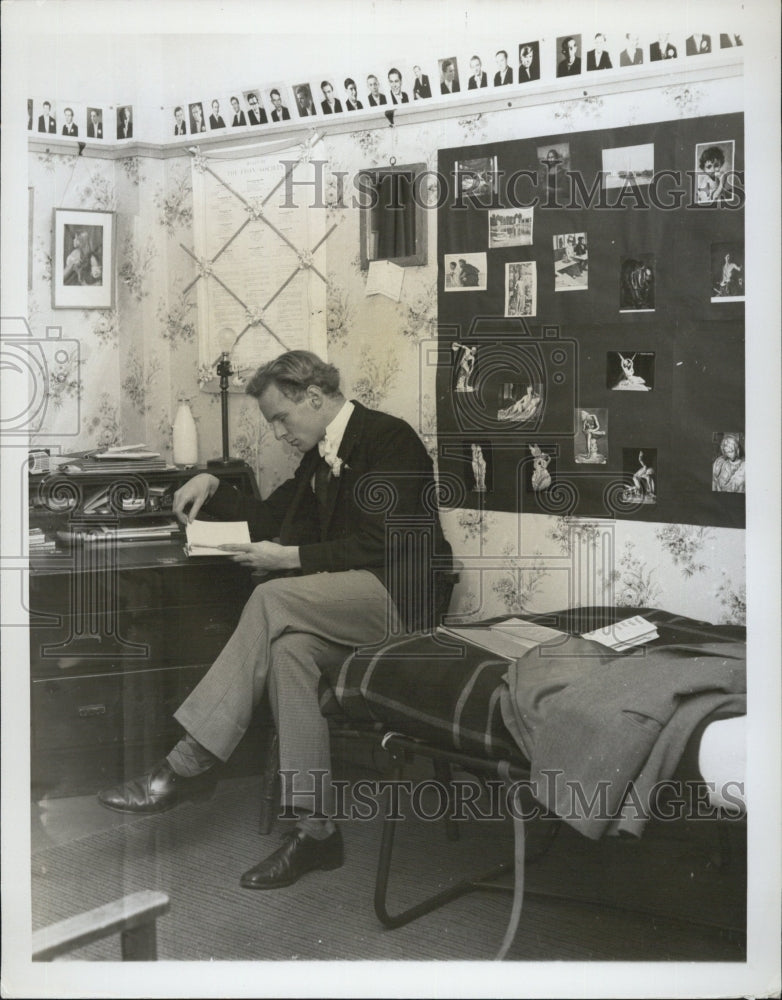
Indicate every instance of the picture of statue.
{"type": "Point", "coordinates": [465, 363]}
{"type": "Point", "coordinates": [629, 381]}
{"type": "Point", "coordinates": [541, 477]}
{"type": "Point", "coordinates": [594, 451]}
{"type": "Point", "coordinates": [478, 468]}
{"type": "Point", "coordinates": [643, 489]}
{"type": "Point", "coordinates": [521, 409]}
{"type": "Point", "coordinates": [728, 474]}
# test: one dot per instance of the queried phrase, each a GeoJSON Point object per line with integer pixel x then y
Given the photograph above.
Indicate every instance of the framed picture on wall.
{"type": "Point", "coordinates": [83, 259]}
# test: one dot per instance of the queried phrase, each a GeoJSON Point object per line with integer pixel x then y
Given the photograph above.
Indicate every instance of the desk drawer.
{"type": "Point", "coordinates": [135, 640]}
{"type": "Point", "coordinates": [108, 709]}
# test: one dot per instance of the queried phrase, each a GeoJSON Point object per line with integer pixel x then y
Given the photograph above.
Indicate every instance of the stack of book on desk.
{"type": "Point", "coordinates": [120, 458]}
{"type": "Point", "coordinates": [40, 543]}
{"type": "Point", "coordinates": [144, 531]}
{"type": "Point", "coordinates": [625, 634]}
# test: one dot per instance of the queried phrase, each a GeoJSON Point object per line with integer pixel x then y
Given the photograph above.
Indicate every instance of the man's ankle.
{"type": "Point", "coordinates": [189, 759]}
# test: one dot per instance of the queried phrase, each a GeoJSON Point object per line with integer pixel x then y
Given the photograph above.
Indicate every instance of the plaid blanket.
{"type": "Point", "coordinates": [424, 689]}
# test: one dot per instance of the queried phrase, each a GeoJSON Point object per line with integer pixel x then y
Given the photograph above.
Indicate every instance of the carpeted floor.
{"type": "Point", "coordinates": [197, 852]}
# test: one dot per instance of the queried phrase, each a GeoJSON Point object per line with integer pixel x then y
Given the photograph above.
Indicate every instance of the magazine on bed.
{"type": "Point", "coordinates": [510, 638]}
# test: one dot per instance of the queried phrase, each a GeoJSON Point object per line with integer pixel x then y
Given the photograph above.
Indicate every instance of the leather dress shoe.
{"type": "Point", "coordinates": [298, 855]}
{"type": "Point", "coordinates": [157, 791]}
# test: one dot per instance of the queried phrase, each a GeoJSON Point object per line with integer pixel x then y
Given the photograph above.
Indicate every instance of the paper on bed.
{"type": "Point", "coordinates": [203, 537]}
{"type": "Point", "coordinates": [511, 642]}
{"type": "Point", "coordinates": [625, 634]}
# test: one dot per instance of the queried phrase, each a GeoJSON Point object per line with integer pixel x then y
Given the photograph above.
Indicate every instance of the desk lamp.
{"type": "Point", "coordinates": [226, 339]}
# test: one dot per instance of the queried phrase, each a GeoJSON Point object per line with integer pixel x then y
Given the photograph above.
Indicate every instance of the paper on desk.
{"type": "Point", "coordinates": [203, 537]}
{"type": "Point", "coordinates": [385, 278]}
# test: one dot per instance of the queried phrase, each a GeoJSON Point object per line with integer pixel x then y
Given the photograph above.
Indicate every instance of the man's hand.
{"type": "Point", "coordinates": [265, 557]}
{"type": "Point", "coordinates": [193, 495]}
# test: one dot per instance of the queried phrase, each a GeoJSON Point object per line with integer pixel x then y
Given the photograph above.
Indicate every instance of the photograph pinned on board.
{"type": "Point", "coordinates": [662, 48]}
{"type": "Point", "coordinates": [529, 62]}
{"type": "Point", "coordinates": [714, 170]}
{"type": "Point", "coordinates": [125, 122]}
{"type": "Point", "coordinates": [519, 403]}
{"type": "Point", "coordinates": [449, 75]}
{"type": "Point", "coordinates": [510, 227]}
{"type": "Point", "coordinates": [728, 474]}
{"type": "Point", "coordinates": [571, 260]}
{"type": "Point", "coordinates": [639, 472]}
{"type": "Point", "coordinates": [630, 371]}
{"type": "Point", "coordinates": [465, 272]}
{"type": "Point", "coordinates": [305, 105]}
{"type": "Point", "coordinates": [479, 458]}
{"type": "Point", "coordinates": [196, 115]}
{"type": "Point", "coordinates": [727, 272]}
{"type": "Point", "coordinates": [568, 55]}
{"type": "Point", "coordinates": [476, 177]}
{"type": "Point", "coordinates": [591, 440]}
{"type": "Point", "coordinates": [636, 283]}
{"type": "Point", "coordinates": [598, 56]}
{"type": "Point", "coordinates": [554, 161]}
{"type": "Point", "coordinates": [94, 123]}
{"type": "Point", "coordinates": [628, 166]}
{"type": "Point", "coordinates": [464, 358]}
{"type": "Point", "coordinates": [541, 469]}
{"type": "Point", "coordinates": [278, 100]}
{"type": "Point", "coordinates": [521, 288]}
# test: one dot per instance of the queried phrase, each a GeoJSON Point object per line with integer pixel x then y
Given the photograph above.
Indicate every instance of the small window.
{"type": "Point", "coordinates": [393, 215]}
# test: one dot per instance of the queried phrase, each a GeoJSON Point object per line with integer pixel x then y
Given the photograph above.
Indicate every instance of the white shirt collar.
{"type": "Point", "coordinates": [335, 431]}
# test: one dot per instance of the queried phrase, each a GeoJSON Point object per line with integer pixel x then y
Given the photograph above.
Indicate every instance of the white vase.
{"type": "Point", "coordinates": [185, 435]}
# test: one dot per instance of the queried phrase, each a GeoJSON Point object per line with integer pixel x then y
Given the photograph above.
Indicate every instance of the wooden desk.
{"type": "Point", "coordinates": [120, 632]}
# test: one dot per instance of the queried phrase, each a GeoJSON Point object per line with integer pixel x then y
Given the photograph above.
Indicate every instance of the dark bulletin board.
{"type": "Point", "coordinates": [689, 347]}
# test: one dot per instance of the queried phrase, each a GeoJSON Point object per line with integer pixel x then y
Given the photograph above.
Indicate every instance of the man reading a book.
{"type": "Point", "coordinates": [325, 538]}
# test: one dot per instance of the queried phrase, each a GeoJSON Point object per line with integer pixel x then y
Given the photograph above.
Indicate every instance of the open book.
{"type": "Point", "coordinates": [625, 634]}
{"type": "Point", "coordinates": [203, 537]}
{"type": "Point", "coordinates": [510, 638]}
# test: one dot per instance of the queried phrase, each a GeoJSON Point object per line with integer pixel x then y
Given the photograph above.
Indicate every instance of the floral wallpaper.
{"type": "Point", "coordinates": [131, 364]}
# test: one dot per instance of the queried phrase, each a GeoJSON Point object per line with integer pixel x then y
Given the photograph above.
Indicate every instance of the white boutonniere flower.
{"type": "Point", "coordinates": [336, 467]}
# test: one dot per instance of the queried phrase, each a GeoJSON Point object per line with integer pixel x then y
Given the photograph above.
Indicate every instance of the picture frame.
{"type": "Point", "coordinates": [83, 255]}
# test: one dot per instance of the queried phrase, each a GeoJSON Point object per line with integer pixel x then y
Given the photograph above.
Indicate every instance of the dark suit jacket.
{"type": "Point", "coordinates": [421, 88]}
{"type": "Point", "coordinates": [216, 121]}
{"type": "Point", "coordinates": [94, 131]}
{"type": "Point", "coordinates": [500, 81]}
{"type": "Point", "coordinates": [604, 63]}
{"type": "Point", "coordinates": [403, 98]}
{"type": "Point", "coordinates": [121, 130]}
{"type": "Point", "coordinates": [180, 129]}
{"type": "Point", "coordinates": [533, 73]}
{"type": "Point", "coordinates": [381, 99]}
{"type": "Point", "coordinates": [656, 53]}
{"type": "Point", "coordinates": [564, 70]}
{"type": "Point", "coordinates": [445, 90]}
{"type": "Point", "coordinates": [46, 124]}
{"type": "Point", "coordinates": [625, 60]}
{"type": "Point", "coordinates": [382, 458]}
{"type": "Point", "coordinates": [72, 130]}
{"type": "Point", "coordinates": [473, 85]}
{"type": "Point", "coordinates": [239, 119]}
{"type": "Point", "coordinates": [705, 45]}
{"type": "Point", "coordinates": [283, 115]}
{"type": "Point", "coordinates": [258, 118]}
{"type": "Point", "coordinates": [327, 110]}
{"type": "Point", "coordinates": [358, 106]}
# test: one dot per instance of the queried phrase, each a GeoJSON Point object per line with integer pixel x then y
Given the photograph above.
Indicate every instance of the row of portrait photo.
{"type": "Point", "coordinates": [77, 121]}
{"type": "Point", "coordinates": [403, 81]}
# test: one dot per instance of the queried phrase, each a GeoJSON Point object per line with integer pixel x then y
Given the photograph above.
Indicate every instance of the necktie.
{"type": "Point", "coordinates": [322, 477]}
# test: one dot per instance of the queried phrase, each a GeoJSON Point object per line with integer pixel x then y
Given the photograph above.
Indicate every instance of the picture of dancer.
{"type": "Point", "coordinates": [728, 278]}
{"type": "Point", "coordinates": [631, 371]}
